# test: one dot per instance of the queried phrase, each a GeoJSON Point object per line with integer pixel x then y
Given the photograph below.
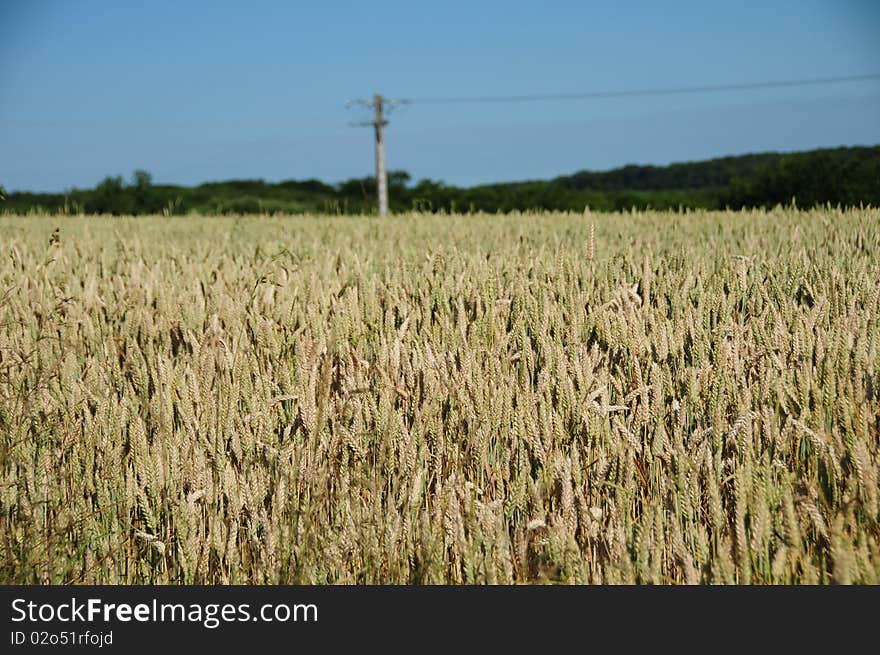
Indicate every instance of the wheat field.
{"type": "Point", "coordinates": [528, 398]}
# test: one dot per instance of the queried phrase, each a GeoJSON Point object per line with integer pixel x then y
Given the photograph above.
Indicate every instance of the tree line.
{"type": "Point", "coordinates": [839, 176]}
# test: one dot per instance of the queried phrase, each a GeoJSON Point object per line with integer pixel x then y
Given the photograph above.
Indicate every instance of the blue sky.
{"type": "Point", "coordinates": [198, 91]}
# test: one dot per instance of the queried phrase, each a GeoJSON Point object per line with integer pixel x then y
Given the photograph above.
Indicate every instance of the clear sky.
{"type": "Point", "coordinates": [198, 91]}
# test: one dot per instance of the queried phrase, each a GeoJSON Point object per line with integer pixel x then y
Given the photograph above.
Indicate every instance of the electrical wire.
{"type": "Point", "coordinates": [712, 88]}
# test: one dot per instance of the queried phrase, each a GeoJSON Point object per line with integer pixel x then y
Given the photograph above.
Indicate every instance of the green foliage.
{"type": "Point", "coordinates": [841, 176]}
{"type": "Point", "coordinates": [845, 176]}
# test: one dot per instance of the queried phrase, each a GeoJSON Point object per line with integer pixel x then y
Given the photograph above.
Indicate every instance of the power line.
{"type": "Point", "coordinates": [380, 107]}
{"type": "Point", "coordinates": [391, 104]}
{"type": "Point", "coordinates": [712, 88]}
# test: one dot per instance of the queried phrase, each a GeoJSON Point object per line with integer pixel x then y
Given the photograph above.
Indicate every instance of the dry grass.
{"type": "Point", "coordinates": [645, 398]}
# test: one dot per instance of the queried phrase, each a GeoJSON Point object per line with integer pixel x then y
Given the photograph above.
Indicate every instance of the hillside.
{"type": "Point", "coordinates": [844, 176]}
{"type": "Point", "coordinates": [712, 173]}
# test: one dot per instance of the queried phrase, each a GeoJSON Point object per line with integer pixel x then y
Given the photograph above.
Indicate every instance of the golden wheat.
{"type": "Point", "coordinates": [579, 398]}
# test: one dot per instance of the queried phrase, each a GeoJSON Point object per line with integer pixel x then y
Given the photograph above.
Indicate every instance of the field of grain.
{"type": "Point", "coordinates": [629, 398]}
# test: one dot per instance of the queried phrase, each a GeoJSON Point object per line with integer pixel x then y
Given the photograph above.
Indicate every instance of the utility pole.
{"type": "Point", "coordinates": [378, 105]}
{"type": "Point", "coordinates": [381, 173]}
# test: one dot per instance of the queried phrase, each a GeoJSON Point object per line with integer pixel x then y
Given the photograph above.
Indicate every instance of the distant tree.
{"type": "Point", "coordinates": [109, 197]}
{"type": "Point", "coordinates": [398, 179]}
{"type": "Point", "coordinates": [145, 201]}
{"type": "Point", "coordinates": [141, 179]}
